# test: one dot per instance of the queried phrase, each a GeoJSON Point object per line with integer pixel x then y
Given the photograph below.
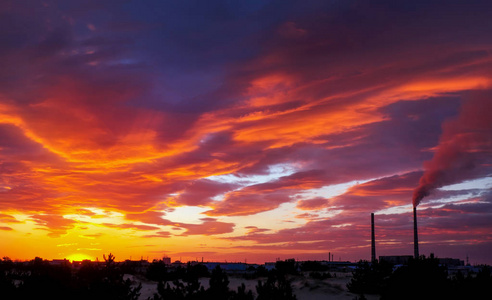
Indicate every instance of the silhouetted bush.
{"type": "Point", "coordinates": [421, 278]}
{"type": "Point", "coordinates": [472, 286]}
{"type": "Point", "coordinates": [276, 287]}
{"type": "Point", "coordinates": [219, 285]}
{"type": "Point", "coordinates": [190, 288]}
{"type": "Point", "coordinates": [7, 286]}
{"type": "Point", "coordinates": [196, 271]}
{"type": "Point", "coordinates": [43, 279]}
{"type": "Point", "coordinates": [40, 279]}
{"type": "Point", "coordinates": [259, 271]}
{"type": "Point", "coordinates": [318, 275]}
{"type": "Point", "coordinates": [288, 266]}
{"type": "Point", "coordinates": [313, 266]}
{"type": "Point", "coordinates": [241, 293]}
{"type": "Point", "coordinates": [368, 278]}
{"type": "Point", "coordinates": [157, 271]}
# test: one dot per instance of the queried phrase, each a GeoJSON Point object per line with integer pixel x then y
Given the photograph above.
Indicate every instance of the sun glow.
{"type": "Point", "coordinates": [79, 257]}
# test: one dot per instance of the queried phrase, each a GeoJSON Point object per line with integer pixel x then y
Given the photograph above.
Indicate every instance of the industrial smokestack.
{"type": "Point", "coordinates": [415, 234]}
{"type": "Point", "coordinates": [373, 240]}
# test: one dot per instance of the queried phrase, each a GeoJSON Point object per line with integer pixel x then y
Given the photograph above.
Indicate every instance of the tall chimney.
{"type": "Point", "coordinates": [415, 234]}
{"type": "Point", "coordinates": [373, 240]}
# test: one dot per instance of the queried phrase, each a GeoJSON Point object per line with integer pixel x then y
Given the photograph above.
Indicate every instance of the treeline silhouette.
{"type": "Point", "coordinates": [422, 278]}
{"type": "Point", "coordinates": [186, 284]}
{"type": "Point", "coordinates": [40, 279]}
{"type": "Point", "coordinates": [275, 287]}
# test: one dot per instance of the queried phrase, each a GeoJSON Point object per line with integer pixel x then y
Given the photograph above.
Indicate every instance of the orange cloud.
{"type": "Point", "coordinates": [55, 224]}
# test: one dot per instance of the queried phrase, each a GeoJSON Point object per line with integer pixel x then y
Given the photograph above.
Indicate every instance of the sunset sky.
{"type": "Point", "coordinates": [245, 130]}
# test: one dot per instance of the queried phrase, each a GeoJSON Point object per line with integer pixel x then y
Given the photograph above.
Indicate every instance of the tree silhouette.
{"type": "Point", "coordinates": [276, 287]}
{"type": "Point", "coordinates": [241, 293]}
{"type": "Point", "coordinates": [180, 291]}
{"type": "Point", "coordinates": [368, 278]}
{"type": "Point", "coordinates": [288, 266]}
{"type": "Point", "coordinates": [219, 285]}
{"type": "Point", "coordinates": [421, 278]}
{"type": "Point", "coordinates": [109, 283]}
{"type": "Point", "coordinates": [313, 266]}
{"type": "Point", "coordinates": [471, 287]}
{"type": "Point", "coordinates": [109, 260]}
{"type": "Point", "coordinates": [41, 279]}
{"type": "Point", "coordinates": [157, 271]}
{"type": "Point", "coordinates": [187, 288]}
{"type": "Point", "coordinates": [7, 286]}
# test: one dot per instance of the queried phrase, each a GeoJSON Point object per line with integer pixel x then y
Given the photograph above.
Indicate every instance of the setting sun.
{"type": "Point", "coordinates": [79, 257]}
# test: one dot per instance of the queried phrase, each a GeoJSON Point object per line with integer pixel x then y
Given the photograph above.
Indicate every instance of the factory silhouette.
{"type": "Point", "coordinates": [403, 259]}
{"type": "Point", "coordinates": [396, 259]}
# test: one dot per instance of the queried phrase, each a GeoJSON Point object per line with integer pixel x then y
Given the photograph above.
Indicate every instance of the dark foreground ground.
{"type": "Point", "coordinates": [422, 278]}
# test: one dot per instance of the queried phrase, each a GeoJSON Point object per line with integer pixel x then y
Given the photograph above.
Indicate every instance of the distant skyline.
{"type": "Point", "coordinates": [245, 130]}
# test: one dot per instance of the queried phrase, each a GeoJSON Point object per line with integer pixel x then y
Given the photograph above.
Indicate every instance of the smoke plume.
{"type": "Point", "coordinates": [464, 149]}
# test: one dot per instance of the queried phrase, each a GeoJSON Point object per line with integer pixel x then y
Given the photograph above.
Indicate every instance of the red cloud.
{"type": "Point", "coordinates": [200, 192]}
{"type": "Point", "coordinates": [312, 204]}
{"type": "Point", "coordinates": [266, 196]}
{"type": "Point", "coordinates": [159, 234]}
{"type": "Point", "coordinates": [254, 229]}
{"type": "Point", "coordinates": [131, 226]}
{"type": "Point", "coordinates": [378, 194]}
{"type": "Point", "coordinates": [209, 227]}
{"type": "Point", "coordinates": [92, 236]}
{"type": "Point", "coordinates": [8, 219]}
{"type": "Point", "coordinates": [149, 217]}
